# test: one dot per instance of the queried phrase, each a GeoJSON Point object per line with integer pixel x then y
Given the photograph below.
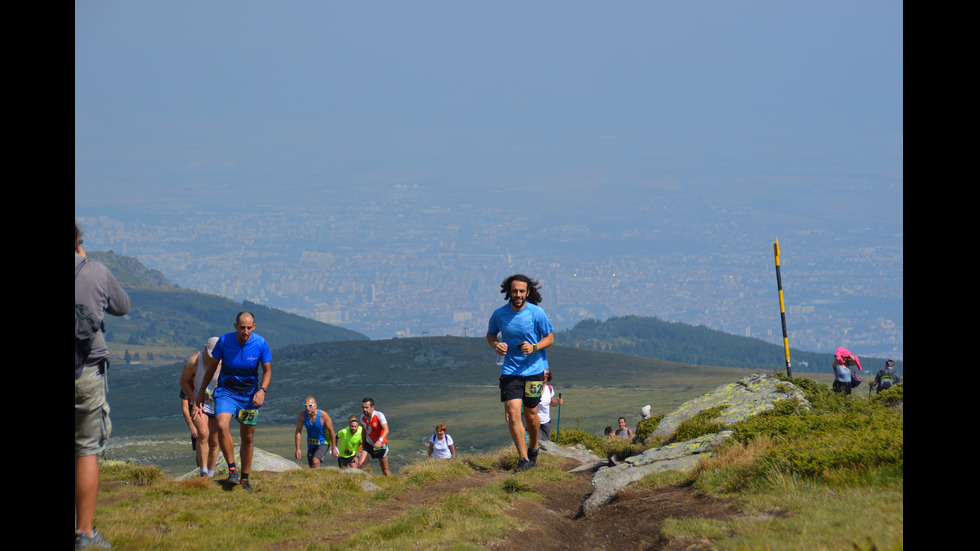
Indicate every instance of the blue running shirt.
{"type": "Point", "coordinates": [529, 325]}
{"type": "Point", "coordinates": [240, 364]}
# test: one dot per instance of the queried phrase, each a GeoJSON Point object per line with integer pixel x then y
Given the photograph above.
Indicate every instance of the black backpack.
{"type": "Point", "coordinates": [86, 327]}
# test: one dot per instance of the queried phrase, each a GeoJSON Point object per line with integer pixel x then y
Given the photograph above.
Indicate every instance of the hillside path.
{"type": "Point", "coordinates": [631, 521]}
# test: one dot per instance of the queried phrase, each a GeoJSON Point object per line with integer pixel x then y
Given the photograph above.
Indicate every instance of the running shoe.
{"type": "Point", "coordinates": [532, 456]}
{"type": "Point", "coordinates": [233, 478]}
{"type": "Point", "coordinates": [96, 540]}
{"type": "Point", "coordinates": [523, 465]}
{"type": "Point", "coordinates": [246, 485]}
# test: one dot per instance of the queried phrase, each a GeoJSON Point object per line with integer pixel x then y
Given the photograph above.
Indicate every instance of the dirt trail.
{"type": "Point", "coordinates": [630, 521]}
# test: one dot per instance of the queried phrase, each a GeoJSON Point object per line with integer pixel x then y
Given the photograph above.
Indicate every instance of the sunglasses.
{"type": "Point", "coordinates": [308, 406]}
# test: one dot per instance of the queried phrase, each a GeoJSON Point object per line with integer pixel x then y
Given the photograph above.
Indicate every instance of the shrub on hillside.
{"type": "Point", "coordinates": [594, 442]}
{"type": "Point", "coordinates": [699, 425]}
{"type": "Point", "coordinates": [141, 475]}
{"type": "Point", "coordinates": [646, 427]}
{"type": "Point", "coordinates": [839, 437]}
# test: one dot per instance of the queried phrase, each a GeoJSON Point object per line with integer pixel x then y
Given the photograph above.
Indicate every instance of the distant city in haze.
{"type": "Point", "coordinates": [400, 262]}
{"type": "Point", "coordinates": [384, 166]}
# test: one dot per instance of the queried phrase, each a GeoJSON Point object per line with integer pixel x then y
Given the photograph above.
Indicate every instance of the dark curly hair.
{"type": "Point", "coordinates": [533, 294]}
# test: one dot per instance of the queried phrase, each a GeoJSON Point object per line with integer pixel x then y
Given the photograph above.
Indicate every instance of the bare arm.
{"type": "Point", "coordinates": [209, 371]}
{"type": "Point", "coordinates": [545, 342]}
{"type": "Point", "coordinates": [299, 434]}
{"type": "Point", "coordinates": [499, 347]}
{"type": "Point", "coordinates": [328, 424]}
{"type": "Point", "coordinates": [187, 377]}
{"type": "Point", "coordinates": [259, 396]}
{"type": "Point", "coordinates": [185, 410]}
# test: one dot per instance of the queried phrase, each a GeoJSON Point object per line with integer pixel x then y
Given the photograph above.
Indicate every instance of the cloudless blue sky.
{"type": "Point", "coordinates": [175, 97]}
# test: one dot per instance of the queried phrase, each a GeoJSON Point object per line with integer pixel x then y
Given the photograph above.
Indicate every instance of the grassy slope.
{"type": "Point", "coordinates": [828, 479]}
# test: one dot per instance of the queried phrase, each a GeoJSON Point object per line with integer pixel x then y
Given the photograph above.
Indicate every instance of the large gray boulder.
{"type": "Point", "coordinates": [740, 400]}
{"type": "Point", "coordinates": [261, 461]}
{"type": "Point", "coordinates": [679, 456]}
{"type": "Point", "coordinates": [587, 460]}
{"type": "Point", "coordinates": [748, 396]}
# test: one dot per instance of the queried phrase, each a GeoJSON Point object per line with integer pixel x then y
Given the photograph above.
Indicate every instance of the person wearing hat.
{"type": "Point", "coordinates": [204, 426]}
{"type": "Point", "coordinates": [548, 399]}
{"type": "Point", "coordinates": [843, 364]}
{"type": "Point", "coordinates": [886, 378]}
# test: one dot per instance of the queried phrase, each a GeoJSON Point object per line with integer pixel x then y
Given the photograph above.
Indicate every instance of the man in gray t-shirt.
{"type": "Point", "coordinates": [98, 290]}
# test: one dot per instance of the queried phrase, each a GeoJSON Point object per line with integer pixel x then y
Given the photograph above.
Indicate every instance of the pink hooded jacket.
{"type": "Point", "coordinates": [842, 353]}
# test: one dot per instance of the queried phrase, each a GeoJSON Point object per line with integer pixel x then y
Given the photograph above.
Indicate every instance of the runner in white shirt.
{"type": "Point", "coordinates": [548, 399]}
{"type": "Point", "coordinates": [441, 444]}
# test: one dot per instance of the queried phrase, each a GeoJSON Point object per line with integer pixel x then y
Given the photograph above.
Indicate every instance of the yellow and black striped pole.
{"type": "Point", "coordinates": [782, 309]}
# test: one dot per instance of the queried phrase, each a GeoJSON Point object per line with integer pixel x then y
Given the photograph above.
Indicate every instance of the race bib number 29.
{"type": "Point", "coordinates": [248, 417]}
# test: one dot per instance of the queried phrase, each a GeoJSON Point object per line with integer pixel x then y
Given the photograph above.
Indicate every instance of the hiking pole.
{"type": "Point", "coordinates": [782, 308]}
{"type": "Point", "coordinates": [558, 422]}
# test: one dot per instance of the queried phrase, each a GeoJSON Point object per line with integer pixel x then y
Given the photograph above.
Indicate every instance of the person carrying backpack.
{"type": "Point", "coordinates": [96, 293]}
{"type": "Point", "coordinates": [886, 378]}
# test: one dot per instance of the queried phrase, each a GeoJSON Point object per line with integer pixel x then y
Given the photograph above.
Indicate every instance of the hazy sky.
{"type": "Point", "coordinates": [175, 98]}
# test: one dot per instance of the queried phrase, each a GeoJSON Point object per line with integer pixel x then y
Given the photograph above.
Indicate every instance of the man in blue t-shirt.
{"type": "Point", "coordinates": [239, 393]}
{"type": "Point", "coordinates": [525, 332]}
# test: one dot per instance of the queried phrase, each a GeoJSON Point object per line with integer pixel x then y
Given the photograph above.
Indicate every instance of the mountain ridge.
{"type": "Point", "coordinates": [651, 337]}
{"type": "Point", "coordinates": [166, 317]}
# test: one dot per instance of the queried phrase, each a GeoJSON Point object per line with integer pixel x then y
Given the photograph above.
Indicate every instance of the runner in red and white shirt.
{"type": "Point", "coordinates": [375, 436]}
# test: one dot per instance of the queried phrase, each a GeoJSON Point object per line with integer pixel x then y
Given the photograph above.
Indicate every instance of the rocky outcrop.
{"type": "Point", "coordinates": [261, 461]}
{"type": "Point", "coordinates": [679, 456]}
{"type": "Point", "coordinates": [737, 401]}
{"type": "Point", "coordinates": [748, 396]}
{"type": "Point", "coordinates": [587, 460]}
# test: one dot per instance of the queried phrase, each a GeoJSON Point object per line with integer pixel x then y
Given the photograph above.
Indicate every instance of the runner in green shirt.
{"type": "Point", "coordinates": [350, 443]}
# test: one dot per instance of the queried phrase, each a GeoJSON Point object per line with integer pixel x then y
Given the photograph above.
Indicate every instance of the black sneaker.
{"type": "Point", "coordinates": [532, 456]}
{"type": "Point", "coordinates": [245, 484]}
{"type": "Point", "coordinates": [523, 465]}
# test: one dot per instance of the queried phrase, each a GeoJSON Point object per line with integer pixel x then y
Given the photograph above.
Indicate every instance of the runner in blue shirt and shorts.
{"type": "Point", "coordinates": [525, 333]}
{"type": "Point", "coordinates": [239, 393]}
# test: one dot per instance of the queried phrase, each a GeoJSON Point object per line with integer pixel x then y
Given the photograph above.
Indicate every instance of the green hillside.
{"type": "Point", "coordinates": [129, 271]}
{"type": "Point", "coordinates": [171, 322]}
{"type": "Point", "coordinates": [679, 342]}
{"type": "Point", "coordinates": [417, 383]}
{"type": "Point", "coordinates": [179, 318]}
